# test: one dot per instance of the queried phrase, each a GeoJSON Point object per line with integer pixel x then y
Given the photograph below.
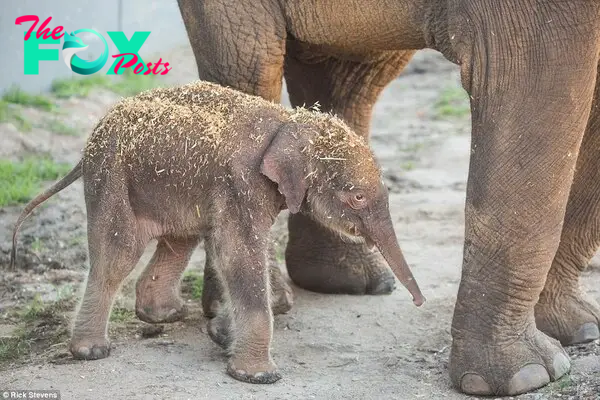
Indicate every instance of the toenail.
{"type": "Point", "coordinates": [385, 287]}
{"type": "Point", "coordinates": [84, 352]}
{"type": "Point", "coordinates": [530, 377]}
{"type": "Point", "coordinates": [587, 332]}
{"type": "Point", "coordinates": [475, 384]}
{"type": "Point", "coordinates": [560, 366]}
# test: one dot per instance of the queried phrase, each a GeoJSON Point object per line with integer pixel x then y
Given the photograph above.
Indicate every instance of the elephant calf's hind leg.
{"type": "Point", "coordinates": [115, 248]}
{"type": "Point", "coordinates": [157, 289]}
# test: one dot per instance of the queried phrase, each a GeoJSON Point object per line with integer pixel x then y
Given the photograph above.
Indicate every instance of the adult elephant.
{"type": "Point", "coordinates": [533, 192]}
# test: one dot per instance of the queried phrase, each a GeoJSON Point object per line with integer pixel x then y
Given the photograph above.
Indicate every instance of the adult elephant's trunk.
{"type": "Point", "coordinates": [381, 232]}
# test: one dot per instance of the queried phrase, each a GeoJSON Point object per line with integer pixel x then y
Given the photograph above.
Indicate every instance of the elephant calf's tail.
{"type": "Point", "coordinates": [51, 191]}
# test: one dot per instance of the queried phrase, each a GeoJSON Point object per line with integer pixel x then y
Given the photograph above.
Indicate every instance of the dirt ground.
{"type": "Point", "coordinates": [327, 347]}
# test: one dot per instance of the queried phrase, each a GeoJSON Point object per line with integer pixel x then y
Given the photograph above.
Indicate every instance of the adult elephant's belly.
{"type": "Point", "coordinates": [351, 27]}
{"type": "Point", "coordinates": [309, 53]}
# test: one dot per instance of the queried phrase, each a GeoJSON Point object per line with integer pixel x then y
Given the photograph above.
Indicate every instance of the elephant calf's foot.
{"type": "Point", "coordinates": [320, 261]}
{"type": "Point", "coordinates": [282, 296]}
{"type": "Point", "coordinates": [571, 317]}
{"type": "Point", "coordinates": [219, 330]}
{"type": "Point", "coordinates": [252, 372]}
{"type": "Point", "coordinates": [86, 349]}
{"type": "Point", "coordinates": [155, 310]}
{"type": "Point", "coordinates": [507, 368]}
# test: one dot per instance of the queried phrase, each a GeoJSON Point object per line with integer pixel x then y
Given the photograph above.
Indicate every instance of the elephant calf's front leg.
{"type": "Point", "coordinates": [282, 296]}
{"type": "Point", "coordinates": [244, 322]}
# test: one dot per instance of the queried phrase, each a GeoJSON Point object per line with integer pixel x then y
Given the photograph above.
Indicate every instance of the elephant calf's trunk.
{"type": "Point", "coordinates": [388, 246]}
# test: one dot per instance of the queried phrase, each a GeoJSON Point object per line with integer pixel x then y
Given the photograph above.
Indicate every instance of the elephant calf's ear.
{"type": "Point", "coordinates": [284, 164]}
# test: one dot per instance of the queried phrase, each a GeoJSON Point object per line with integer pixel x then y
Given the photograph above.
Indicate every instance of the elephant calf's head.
{"type": "Point", "coordinates": [324, 169]}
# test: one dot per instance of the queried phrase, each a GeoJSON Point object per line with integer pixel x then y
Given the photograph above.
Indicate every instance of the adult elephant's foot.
{"type": "Point", "coordinates": [507, 367]}
{"type": "Point", "coordinates": [320, 261]}
{"type": "Point", "coordinates": [568, 314]}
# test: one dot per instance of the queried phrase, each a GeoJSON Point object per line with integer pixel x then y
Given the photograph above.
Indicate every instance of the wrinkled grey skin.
{"type": "Point", "coordinates": [201, 162]}
{"type": "Point", "coordinates": [533, 195]}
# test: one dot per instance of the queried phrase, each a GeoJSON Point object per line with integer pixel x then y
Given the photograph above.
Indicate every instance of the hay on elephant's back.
{"type": "Point", "coordinates": [198, 117]}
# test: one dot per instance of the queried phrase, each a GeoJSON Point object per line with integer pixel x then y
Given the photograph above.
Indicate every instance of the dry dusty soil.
{"type": "Point", "coordinates": [327, 346]}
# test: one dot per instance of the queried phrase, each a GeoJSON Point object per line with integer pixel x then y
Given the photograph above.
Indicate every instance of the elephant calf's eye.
{"type": "Point", "coordinates": [357, 200]}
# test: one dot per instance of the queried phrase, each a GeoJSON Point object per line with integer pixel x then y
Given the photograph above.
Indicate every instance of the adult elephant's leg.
{"type": "Point", "coordinates": [238, 44]}
{"type": "Point", "coordinates": [530, 68]}
{"type": "Point", "coordinates": [241, 45]}
{"type": "Point", "coordinates": [316, 258]}
{"type": "Point", "coordinates": [564, 311]}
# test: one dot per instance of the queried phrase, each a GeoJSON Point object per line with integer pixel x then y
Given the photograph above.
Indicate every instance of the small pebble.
{"type": "Point", "coordinates": [150, 331]}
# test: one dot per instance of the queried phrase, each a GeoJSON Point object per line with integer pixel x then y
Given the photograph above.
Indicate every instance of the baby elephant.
{"type": "Point", "coordinates": [204, 162]}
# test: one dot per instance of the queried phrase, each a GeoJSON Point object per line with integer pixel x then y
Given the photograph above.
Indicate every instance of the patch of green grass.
{"type": "Point", "coordinates": [280, 254]}
{"type": "Point", "coordinates": [57, 126]}
{"type": "Point", "coordinates": [453, 102]}
{"type": "Point", "coordinates": [198, 286]}
{"type": "Point", "coordinates": [128, 84]}
{"type": "Point", "coordinates": [120, 314]}
{"type": "Point", "coordinates": [22, 180]}
{"type": "Point", "coordinates": [65, 293]}
{"type": "Point", "coordinates": [413, 147]}
{"type": "Point", "coordinates": [37, 245]}
{"type": "Point", "coordinates": [40, 325]}
{"type": "Point", "coordinates": [14, 346]}
{"type": "Point", "coordinates": [10, 113]}
{"type": "Point", "coordinates": [5, 111]}
{"type": "Point", "coordinates": [78, 87]}
{"type": "Point", "coordinates": [15, 95]}
{"type": "Point", "coordinates": [408, 166]}
{"type": "Point", "coordinates": [77, 240]}
{"type": "Point", "coordinates": [195, 282]}
{"type": "Point", "coordinates": [560, 387]}
{"type": "Point", "coordinates": [34, 309]}
{"type": "Point", "coordinates": [564, 382]}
